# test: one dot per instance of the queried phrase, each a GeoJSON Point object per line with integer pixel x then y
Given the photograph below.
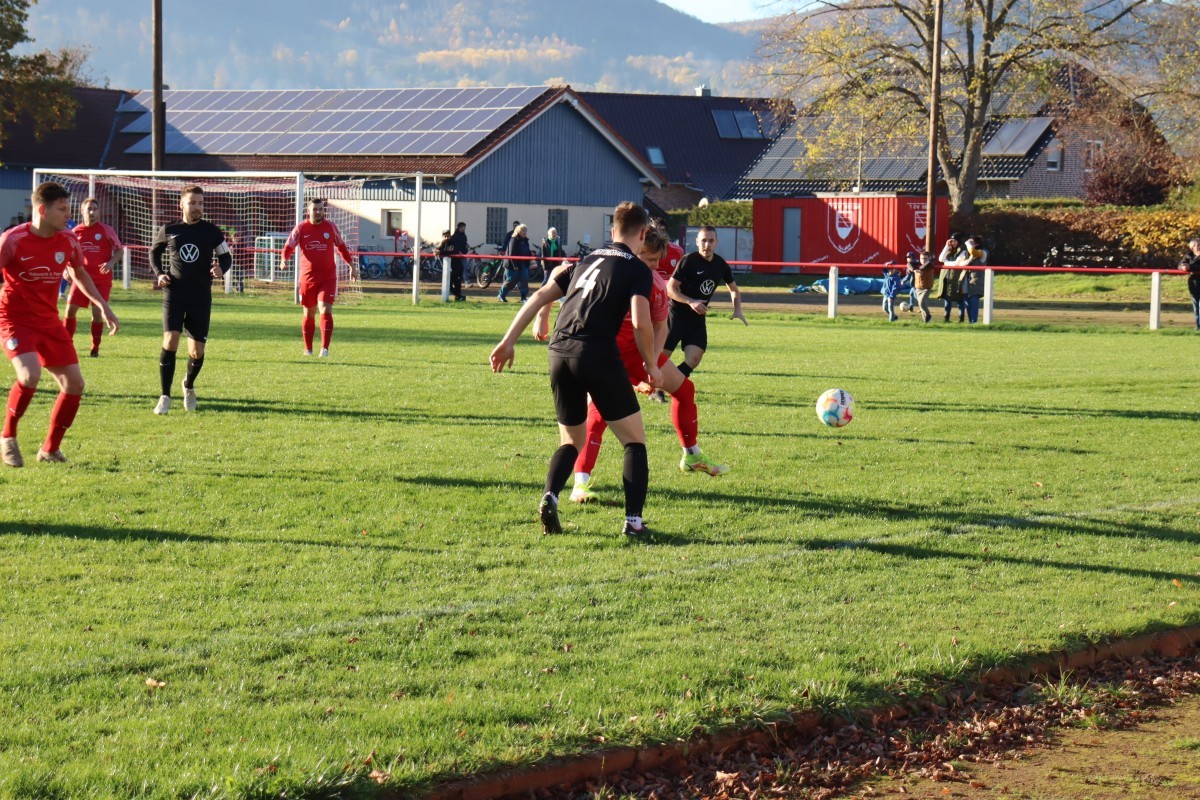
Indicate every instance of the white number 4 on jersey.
{"type": "Point", "coordinates": [588, 279]}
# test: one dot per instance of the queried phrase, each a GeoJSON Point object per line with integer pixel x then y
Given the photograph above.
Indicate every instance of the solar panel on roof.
{"type": "Point", "coordinates": [446, 121]}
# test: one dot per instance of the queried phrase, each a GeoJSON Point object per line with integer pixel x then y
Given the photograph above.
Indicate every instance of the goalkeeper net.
{"type": "Point", "coordinates": [257, 211]}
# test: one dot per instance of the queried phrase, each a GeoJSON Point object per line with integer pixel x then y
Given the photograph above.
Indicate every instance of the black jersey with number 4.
{"type": "Point", "coordinates": [597, 291]}
{"type": "Point", "coordinates": [190, 249]}
{"type": "Point", "coordinates": [698, 278]}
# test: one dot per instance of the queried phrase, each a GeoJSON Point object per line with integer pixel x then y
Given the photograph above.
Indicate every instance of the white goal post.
{"type": "Point", "coordinates": [257, 211]}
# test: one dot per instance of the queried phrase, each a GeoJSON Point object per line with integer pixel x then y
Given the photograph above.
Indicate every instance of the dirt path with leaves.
{"type": "Point", "coordinates": [1157, 759]}
{"type": "Point", "coordinates": [1117, 729]}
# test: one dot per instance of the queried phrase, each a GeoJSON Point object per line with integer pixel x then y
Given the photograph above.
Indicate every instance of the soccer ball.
{"type": "Point", "coordinates": [835, 408]}
{"type": "Point", "coordinates": [905, 306]}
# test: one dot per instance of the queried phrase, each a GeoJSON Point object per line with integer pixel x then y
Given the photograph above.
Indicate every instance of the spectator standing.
{"type": "Point", "coordinates": [445, 249]}
{"type": "Point", "coordinates": [552, 252]}
{"type": "Point", "coordinates": [973, 279]}
{"type": "Point", "coordinates": [457, 265]}
{"type": "Point", "coordinates": [950, 290]}
{"type": "Point", "coordinates": [922, 271]}
{"type": "Point", "coordinates": [516, 272]}
{"type": "Point", "coordinates": [1191, 262]}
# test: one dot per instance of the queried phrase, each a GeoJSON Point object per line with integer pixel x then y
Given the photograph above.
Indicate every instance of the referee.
{"type": "Point", "coordinates": [186, 280]}
{"type": "Point", "coordinates": [597, 291]}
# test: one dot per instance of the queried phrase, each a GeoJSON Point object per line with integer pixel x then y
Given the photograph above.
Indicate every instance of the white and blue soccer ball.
{"type": "Point", "coordinates": [835, 408]}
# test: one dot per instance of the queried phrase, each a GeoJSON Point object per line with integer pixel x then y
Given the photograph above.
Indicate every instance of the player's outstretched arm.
{"type": "Point", "coordinates": [541, 324]}
{"type": "Point", "coordinates": [502, 355]}
{"type": "Point", "coordinates": [735, 294]}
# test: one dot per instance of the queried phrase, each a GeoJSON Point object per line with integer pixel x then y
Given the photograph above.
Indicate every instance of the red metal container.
{"type": "Point", "coordinates": [841, 228]}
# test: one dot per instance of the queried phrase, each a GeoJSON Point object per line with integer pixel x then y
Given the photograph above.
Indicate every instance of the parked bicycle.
{"type": "Point", "coordinates": [431, 265]}
{"type": "Point", "coordinates": [484, 270]}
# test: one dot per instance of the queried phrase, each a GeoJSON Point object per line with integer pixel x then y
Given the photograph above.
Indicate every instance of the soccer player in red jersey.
{"type": "Point", "coordinates": [684, 415]}
{"type": "Point", "coordinates": [317, 238]}
{"type": "Point", "coordinates": [101, 248]}
{"type": "Point", "coordinates": [673, 255]}
{"type": "Point", "coordinates": [33, 258]}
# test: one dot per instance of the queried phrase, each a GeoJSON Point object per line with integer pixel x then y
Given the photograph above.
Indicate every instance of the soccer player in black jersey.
{"type": "Point", "coordinates": [691, 288]}
{"type": "Point", "coordinates": [597, 292]}
{"type": "Point", "coordinates": [186, 280]}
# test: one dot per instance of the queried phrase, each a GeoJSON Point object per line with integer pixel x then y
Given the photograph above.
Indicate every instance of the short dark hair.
{"type": "Point", "coordinates": [707, 228]}
{"type": "Point", "coordinates": [191, 189]}
{"type": "Point", "coordinates": [316, 201]}
{"type": "Point", "coordinates": [49, 192]}
{"type": "Point", "coordinates": [629, 217]}
{"type": "Point", "coordinates": [460, 225]}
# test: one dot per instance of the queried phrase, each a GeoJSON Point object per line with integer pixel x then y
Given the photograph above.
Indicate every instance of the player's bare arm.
{"type": "Point", "coordinates": [541, 324]}
{"type": "Point", "coordinates": [643, 334]}
{"type": "Point", "coordinates": [502, 355]}
{"type": "Point", "coordinates": [735, 295]}
{"type": "Point", "coordinates": [85, 284]}
{"type": "Point", "coordinates": [675, 292]}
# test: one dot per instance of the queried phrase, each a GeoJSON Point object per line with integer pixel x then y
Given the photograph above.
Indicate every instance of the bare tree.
{"type": "Point", "coordinates": [863, 68]}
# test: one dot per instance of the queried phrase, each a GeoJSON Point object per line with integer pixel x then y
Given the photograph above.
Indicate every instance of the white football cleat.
{"type": "Point", "coordinates": [308, 352]}
{"type": "Point", "coordinates": [163, 405]}
{"type": "Point", "coordinates": [324, 353]}
{"type": "Point", "coordinates": [10, 453]}
{"type": "Point", "coordinates": [189, 399]}
{"type": "Point", "coordinates": [54, 456]}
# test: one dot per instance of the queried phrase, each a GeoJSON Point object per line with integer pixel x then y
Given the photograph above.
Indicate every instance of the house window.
{"type": "Point", "coordinates": [497, 224]}
{"type": "Point", "coordinates": [1054, 156]}
{"type": "Point", "coordinates": [736, 124]}
{"type": "Point", "coordinates": [391, 222]}
{"type": "Point", "coordinates": [656, 156]}
{"type": "Point", "coordinates": [1092, 152]}
{"type": "Point", "coordinates": [557, 218]}
{"type": "Point", "coordinates": [747, 124]}
{"type": "Point", "coordinates": [727, 127]}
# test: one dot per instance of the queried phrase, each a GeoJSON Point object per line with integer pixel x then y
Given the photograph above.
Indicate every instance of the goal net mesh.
{"type": "Point", "coordinates": [256, 212]}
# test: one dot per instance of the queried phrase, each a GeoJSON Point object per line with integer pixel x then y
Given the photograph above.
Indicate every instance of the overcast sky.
{"type": "Point", "coordinates": [729, 10]}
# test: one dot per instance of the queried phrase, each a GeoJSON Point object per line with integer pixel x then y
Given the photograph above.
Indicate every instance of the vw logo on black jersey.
{"type": "Point", "coordinates": [189, 252]}
{"type": "Point", "coordinates": [708, 287]}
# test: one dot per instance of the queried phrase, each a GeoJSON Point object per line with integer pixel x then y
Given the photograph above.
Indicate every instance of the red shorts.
{"type": "Point", "coordinates": [50, 341]}
{"type": "Point", "coordinates": [104, 284]}
{"type": "Point", "coordinates": [319, 291]}
{"type": "Point", "coordinates": [633, 365]}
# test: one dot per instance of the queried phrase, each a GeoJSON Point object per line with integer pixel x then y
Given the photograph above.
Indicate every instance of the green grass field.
{"type": "Point", "coordinates": [334, 567]}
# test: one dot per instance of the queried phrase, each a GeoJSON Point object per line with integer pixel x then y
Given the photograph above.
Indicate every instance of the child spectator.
{"type": "Point", "coordinates": [891, 288]}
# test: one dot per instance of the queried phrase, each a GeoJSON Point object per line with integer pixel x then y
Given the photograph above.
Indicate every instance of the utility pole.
{"type": "Point", "coordinates": [935, 96]}
{"type": "Point", "coordinates": [158, 112]}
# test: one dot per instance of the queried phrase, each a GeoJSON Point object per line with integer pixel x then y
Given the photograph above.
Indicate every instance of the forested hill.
{"type": "Point", "coordinates": [368, 43]}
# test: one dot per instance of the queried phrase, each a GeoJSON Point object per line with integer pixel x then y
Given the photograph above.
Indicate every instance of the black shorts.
{"type": "Point", "coordinates": [187, 311]}
{"type": "Point", "coordinates": [686, 328]}
{"type": "Point", "coordinates": [599, 375]}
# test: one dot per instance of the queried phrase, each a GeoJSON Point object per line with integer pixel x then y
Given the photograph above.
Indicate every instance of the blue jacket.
{"type": "Point", "coordinates": [891, 285]}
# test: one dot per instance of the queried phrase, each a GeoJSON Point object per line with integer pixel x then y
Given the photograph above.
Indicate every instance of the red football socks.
{"type": "Point", "coordinates": [70, 323]}
{"type": "Point", "coordinates": [97, 334]}
{"type": "Point", "coordinates": [595, 437]}
{"type": "Point", "coordinates": [18, 400]}
{"type": "Point", "coordinates": [65, 408]}
{"type": "Point", "coordinates": [326, 329]}
{"type": "Point", "coordinates": [684, 413]}
{"type": "Point", "coordinates": [308, 328]}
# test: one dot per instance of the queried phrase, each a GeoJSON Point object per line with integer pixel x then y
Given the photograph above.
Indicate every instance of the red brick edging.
{"type": "Point", "coordinates": [581, 769]}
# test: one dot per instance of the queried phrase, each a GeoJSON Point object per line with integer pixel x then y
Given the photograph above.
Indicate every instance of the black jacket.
{"type": "Point", "coordinates": [1192, 264]}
